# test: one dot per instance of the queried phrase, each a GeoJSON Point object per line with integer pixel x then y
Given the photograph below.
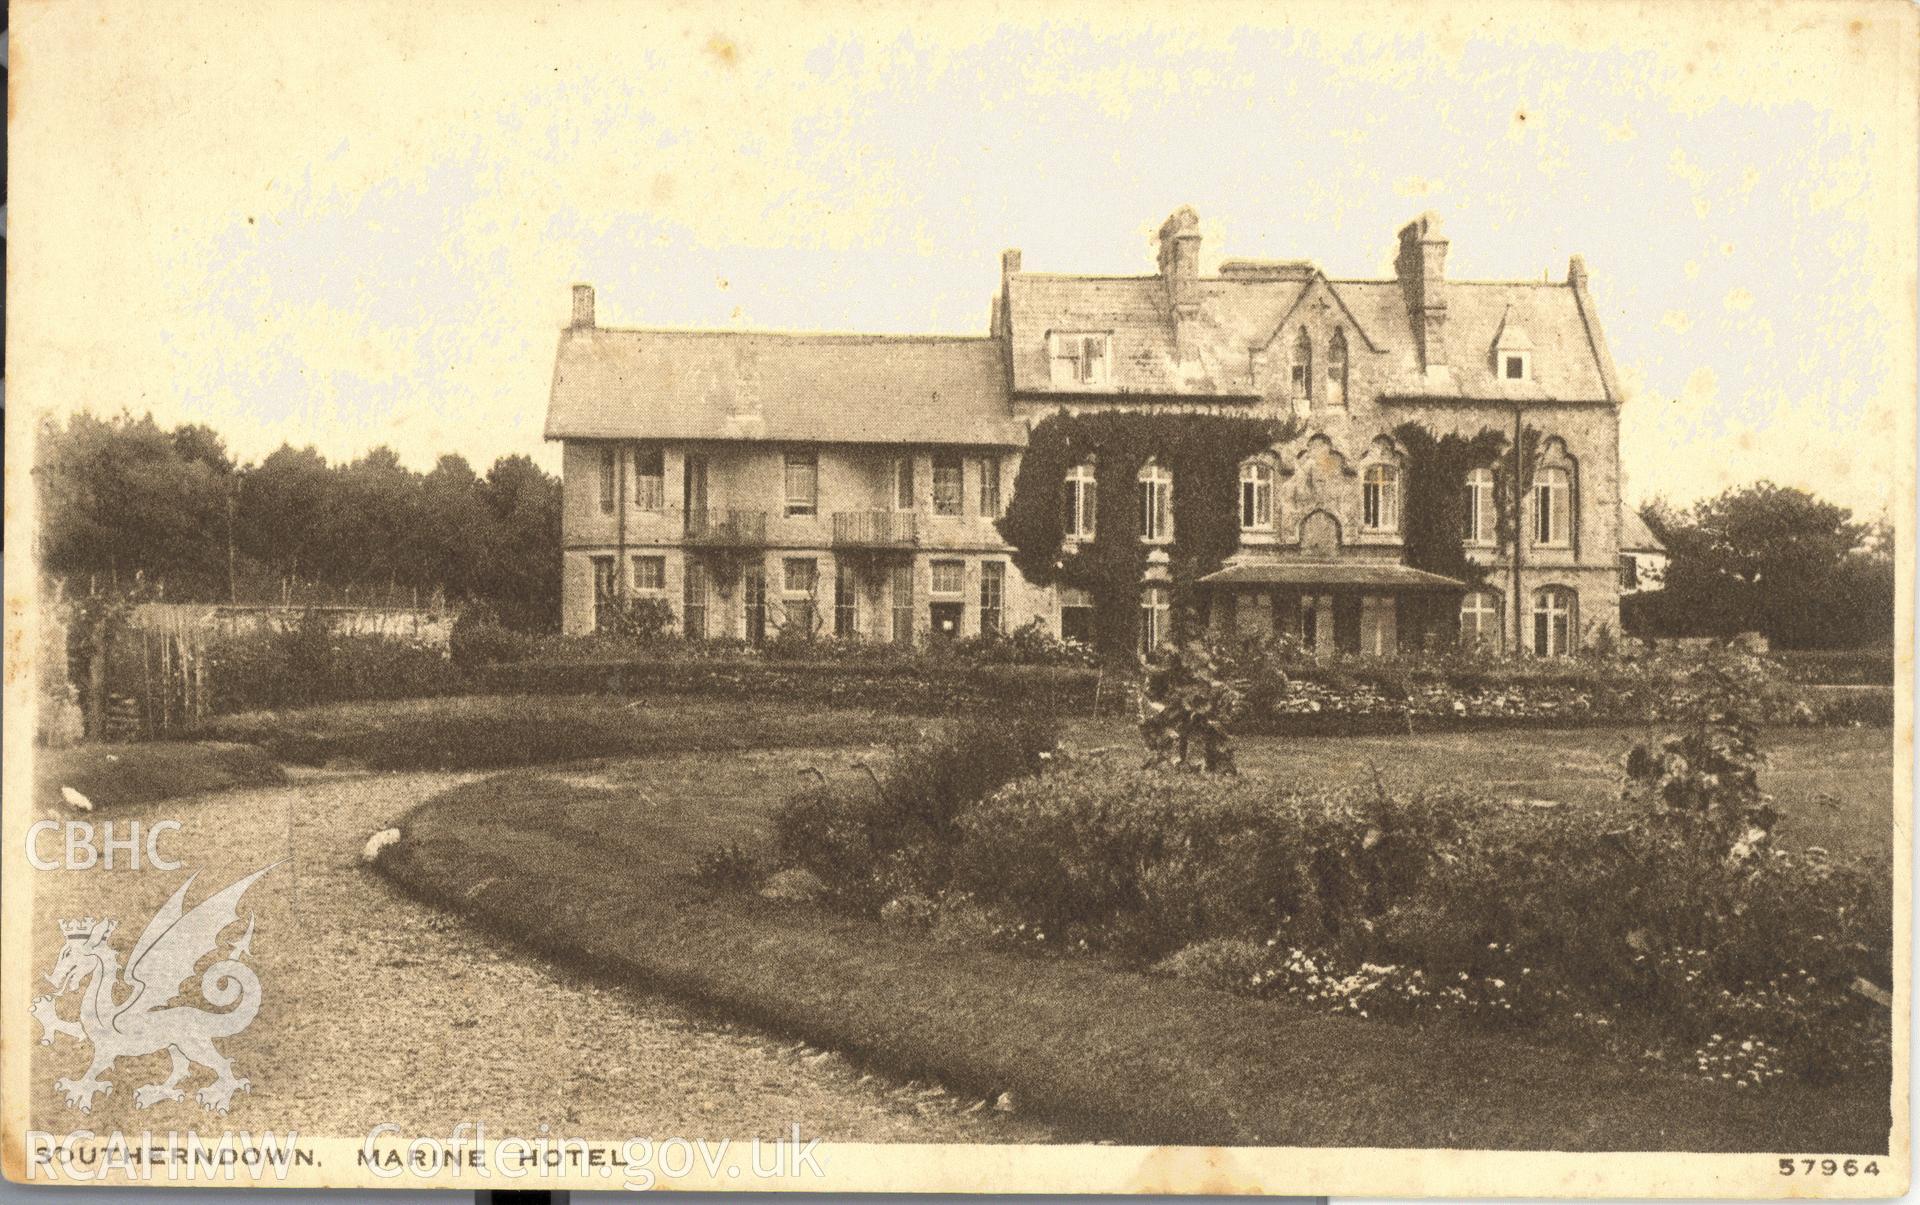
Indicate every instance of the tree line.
{"type": "Point", "coordinates": [121, 498]}
{"type": "Point", "coordinates": [1770, 559]}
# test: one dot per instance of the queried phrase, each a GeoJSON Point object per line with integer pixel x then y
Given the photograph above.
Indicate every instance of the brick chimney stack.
{"type": "Point", "coordinates": [1422, 269]}
{"type": "Point", "coordinates": [582, 307]}
{"type": "Point", "coordinates": [1180, 260]}
{"type": "Point", "coordinates": [1002, 320]}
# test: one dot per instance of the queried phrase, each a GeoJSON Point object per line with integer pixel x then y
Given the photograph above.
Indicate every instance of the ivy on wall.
{"type": "Point", "coordinates": [1203, 453]}
{"type": "Point", "coordinates": [1512, 478]}
{"type": "Point", "coordinates": [1437, 468]}
{"type": "Point", "coordinates": [1435, 518]}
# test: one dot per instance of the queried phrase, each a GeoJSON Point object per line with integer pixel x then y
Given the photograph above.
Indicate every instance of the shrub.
{"type": "Point", "coordinates": [730, 865]}
{"type": "Point", "coordinates": [1184, 703]}
{"type": "Point", "coordinates": [480, 639]}
{"type": "Point", "coordinates": [869, 841]}
{"type": "Point", "coordinates": [307, 662]}
{"type": "Point", "coordinates": [1681, 922]}
{"type": "Point", "coordinates": [1230, 963]}
{"type": "Point", "coordinates": [642, 619]}
{"type": "Point", "coordinates": [1839, 667]}
{"type": "Point", "coordinates": [1144, 863]}
{"type": "Point", "coordinates": [1287, 689]}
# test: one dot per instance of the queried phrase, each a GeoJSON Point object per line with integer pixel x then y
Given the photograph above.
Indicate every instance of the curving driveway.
{"type": "Point", "coordinates": [377, 1009]}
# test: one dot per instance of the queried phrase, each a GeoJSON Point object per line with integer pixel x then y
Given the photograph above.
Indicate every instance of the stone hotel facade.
{"type": "Point", "coordinates": [846, 486]}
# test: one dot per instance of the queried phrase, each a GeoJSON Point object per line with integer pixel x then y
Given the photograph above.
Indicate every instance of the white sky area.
{"type": "Point", "coordinates": [348, 225]}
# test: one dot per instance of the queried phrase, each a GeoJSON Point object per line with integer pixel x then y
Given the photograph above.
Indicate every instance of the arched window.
{"type": "Point", "coordinates": [1078, 521]}
{"type": "Point", "coordinates": [1480, 620]}
{"type": "Point", "coordinates": [1156, 617]}
{"type": "Point", "coordinates": [1302, 370]}
{"type": "Point", "coordinates": [1380, 498]}
{"type": "Point", "coordinates": [1337, 368]}
{"type": "Point", "coordinates": [1256, 496]}
{"type": "Point", "coordinates": [1551, 512]}
{"type": "Point", "coordinates": [1477, 514]}
{"type": "Point", "coordinates": [1555, 621]}
{"type": "Point", "coordinates": [1156, 503]}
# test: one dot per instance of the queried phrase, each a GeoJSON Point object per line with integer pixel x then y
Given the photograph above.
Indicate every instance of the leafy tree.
{"type": "Point", "coordinates": [281, 502]}
{"type": "Point", "coordinates": [369, 526]}
{"type": "Point", "coordinates": [1774, 560]}
{"type": "Point", "coordinates": [456, 526]}
{"type": "Point", "coordinates": [197, 443]}
{"type": "Point", "coordinates": [117, 500]}
{"type": "Point", "coordinates": [520, 568]}
{"type": "Point", "coordinates": [121, 498]}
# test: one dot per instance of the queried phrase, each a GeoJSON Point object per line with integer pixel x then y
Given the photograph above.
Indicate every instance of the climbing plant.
{"type": "Point", "coordinates": [1437, 467]}
{"type": "Point", "coordinates": [1436, 474]}
{"type": "Point", "coordinates": [1202, 452]}
{"type": "Point", "coordinates": [1512, 478]}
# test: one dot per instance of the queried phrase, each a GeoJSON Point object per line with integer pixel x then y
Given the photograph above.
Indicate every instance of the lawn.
{"type": "Point", "coordinates": [498, 731]}
{"type": "Point", "coordinates": [1834, 786]}
{"type": "Point", "coordinates": [595, 866]}
{"type": "Point", "coordinates": [119, 775]}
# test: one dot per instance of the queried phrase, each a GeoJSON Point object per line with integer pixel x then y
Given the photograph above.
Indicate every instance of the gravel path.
{"type": "Point", "coordinates": [379, 1009]}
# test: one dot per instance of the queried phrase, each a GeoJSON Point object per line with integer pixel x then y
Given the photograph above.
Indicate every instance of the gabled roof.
{"type": "Point", "coordinates": [1243, 311]}
{"type": "Point", "coordinates": [1233, 314]}
{"type": "Point", "coordinates": [681, 384]}
{"type": "Point", "coordinates": [1334, 293]}
{"type": "Point", "coordinates": [1635, 535]}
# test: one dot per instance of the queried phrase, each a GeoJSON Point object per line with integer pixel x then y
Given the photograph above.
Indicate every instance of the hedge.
{"type": "Point", "coordinates": [1284, 693]}
{"type": "Point", "coordinates": [833, 684]}
{"type": "Point", "coordinates": [1838, 667]}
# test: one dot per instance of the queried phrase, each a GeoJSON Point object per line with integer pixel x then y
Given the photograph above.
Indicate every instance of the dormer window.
{"type": "Point", "coordinates": [1082, 358]}
{"type": "Point", "coordinates": [1512, 350]}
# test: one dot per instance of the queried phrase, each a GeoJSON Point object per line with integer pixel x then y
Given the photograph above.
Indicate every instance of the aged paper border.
{"type": "Point", "coordinates": [44, 50]}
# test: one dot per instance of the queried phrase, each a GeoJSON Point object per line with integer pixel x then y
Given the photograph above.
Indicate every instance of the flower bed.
{"type": "Point", "coordinates": [1676, 935]}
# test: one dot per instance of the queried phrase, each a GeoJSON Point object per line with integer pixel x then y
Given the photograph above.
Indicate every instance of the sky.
{"type": "Point", "coordinates": [356, 223]}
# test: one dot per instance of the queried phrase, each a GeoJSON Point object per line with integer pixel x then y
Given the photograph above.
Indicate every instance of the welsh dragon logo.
{"type": "Point", "coordinates": [171, 945]}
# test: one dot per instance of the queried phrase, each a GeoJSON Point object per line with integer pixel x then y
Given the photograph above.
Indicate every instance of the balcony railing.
{"type": "Point", "coordinates": [721, 527]}
{"type": "Point", "coordinates": [875, 529]}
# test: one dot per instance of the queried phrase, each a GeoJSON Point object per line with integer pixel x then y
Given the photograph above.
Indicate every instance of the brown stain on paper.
{"type": "Point", "coordinates": [1194, 1170]}
{"type": "Point", "coordinates": [724, 50]}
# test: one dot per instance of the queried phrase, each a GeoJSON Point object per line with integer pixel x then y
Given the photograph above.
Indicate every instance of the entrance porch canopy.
{"type": "Point", "coordinates": [1383, 577]}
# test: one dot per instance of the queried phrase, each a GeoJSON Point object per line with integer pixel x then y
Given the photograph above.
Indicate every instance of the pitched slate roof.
{"type": "Point", "coordinates": [677, 384]}
{"type": "Point", "coordinates": [1635, 535]}
{"type": "Point", "coordinates": [1240, 312]}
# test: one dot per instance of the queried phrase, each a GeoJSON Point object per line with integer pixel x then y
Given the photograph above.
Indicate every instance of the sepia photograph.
{"type": "Point", "coordinates": [1289, 598]}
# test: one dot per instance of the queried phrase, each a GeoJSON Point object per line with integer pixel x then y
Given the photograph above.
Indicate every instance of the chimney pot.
{"type": "Point", "coordinates": [582, 306]}
{"type": "Point", "coordinates": [1010, 261]}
